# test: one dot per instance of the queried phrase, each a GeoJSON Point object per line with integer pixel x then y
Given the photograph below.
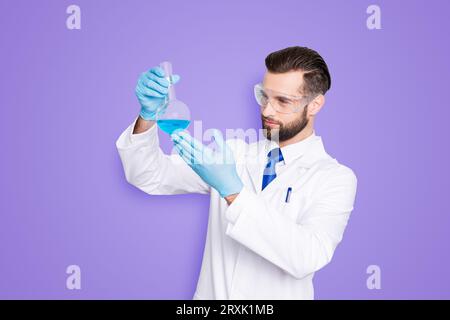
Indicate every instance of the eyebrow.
{"type": "Point", "coordinates": [286, 95]}
{"type": "Point", "coordinates": [283, 97]}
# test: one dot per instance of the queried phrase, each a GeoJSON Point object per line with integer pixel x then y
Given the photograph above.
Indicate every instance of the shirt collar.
{"type": "Point", "coordinates": [296, 150]}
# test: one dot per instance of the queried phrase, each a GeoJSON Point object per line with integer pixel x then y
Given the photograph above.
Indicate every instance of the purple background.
{"type": "Point", "coordinates": [66, 95]}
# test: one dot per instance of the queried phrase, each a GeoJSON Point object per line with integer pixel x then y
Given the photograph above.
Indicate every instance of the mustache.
{"type": "Point", "coordinates": [271, 120]}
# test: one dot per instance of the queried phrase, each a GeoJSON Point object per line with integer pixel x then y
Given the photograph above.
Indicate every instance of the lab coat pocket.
{"type": "Point", "coordinates": [294, 206]}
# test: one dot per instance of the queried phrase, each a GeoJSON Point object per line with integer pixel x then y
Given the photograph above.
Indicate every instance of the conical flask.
{"type": "Point", "coordinates": [173, 114]}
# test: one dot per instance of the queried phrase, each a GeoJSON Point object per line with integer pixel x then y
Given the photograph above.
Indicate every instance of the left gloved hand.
{"type": "Point", "coordinates": [217, 168]}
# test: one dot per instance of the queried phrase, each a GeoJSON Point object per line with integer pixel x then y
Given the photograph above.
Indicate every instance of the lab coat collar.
{"type": "Point", "coordinates": [305, 154]}
{"type": "Point", "coordinates": [294, 151]}
{"type": "Point", "coordinates": [305, 150]}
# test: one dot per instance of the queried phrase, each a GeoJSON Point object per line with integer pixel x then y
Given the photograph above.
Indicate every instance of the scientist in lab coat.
{"type": "Point", "coordinates": [278, 206]}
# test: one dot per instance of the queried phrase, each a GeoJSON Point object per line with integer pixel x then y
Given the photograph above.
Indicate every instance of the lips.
{"type": "Point", "coordinates": [270, 122]}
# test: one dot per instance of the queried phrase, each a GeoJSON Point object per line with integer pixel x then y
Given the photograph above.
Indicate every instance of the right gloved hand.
{"type": "Point", "coordinates": [151, 90]}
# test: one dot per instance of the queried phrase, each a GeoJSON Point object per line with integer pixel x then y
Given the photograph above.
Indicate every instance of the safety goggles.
{"type": "Point", "coordinates": [280, 102]}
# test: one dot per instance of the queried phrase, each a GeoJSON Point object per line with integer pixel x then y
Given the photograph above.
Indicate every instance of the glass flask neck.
{"type": "Point", "coordinates": [167, 67]}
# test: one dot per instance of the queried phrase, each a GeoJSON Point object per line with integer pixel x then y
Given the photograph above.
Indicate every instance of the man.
{"type": "Point", "coordinates": [279, 206]}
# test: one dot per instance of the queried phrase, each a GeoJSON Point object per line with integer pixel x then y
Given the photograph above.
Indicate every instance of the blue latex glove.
{"type": "Point", "coordinates": [216, 167]}
{"type": "Point", "coordinates": [151, 91]}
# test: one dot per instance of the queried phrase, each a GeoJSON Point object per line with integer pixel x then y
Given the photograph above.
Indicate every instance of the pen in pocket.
{"type": "Point", "coordinates": [288, 195]}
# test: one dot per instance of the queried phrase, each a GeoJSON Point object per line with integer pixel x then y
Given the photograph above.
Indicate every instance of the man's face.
{"type": "Point", "coordinates": [283, 126]}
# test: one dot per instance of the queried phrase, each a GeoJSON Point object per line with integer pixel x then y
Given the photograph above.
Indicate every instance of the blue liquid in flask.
{"type": "Point", "coordinates": [171, 125]}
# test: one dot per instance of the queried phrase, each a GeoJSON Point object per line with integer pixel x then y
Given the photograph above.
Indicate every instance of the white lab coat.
{"type": "Point", "coordinates": [259, 247]}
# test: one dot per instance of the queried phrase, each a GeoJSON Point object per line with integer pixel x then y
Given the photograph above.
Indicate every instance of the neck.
{"type": "Point", "coordinates": [302, 135]}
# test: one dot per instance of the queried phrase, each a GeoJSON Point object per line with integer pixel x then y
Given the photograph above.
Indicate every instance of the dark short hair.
{"type": "Point", "coordinates": [317, 79]}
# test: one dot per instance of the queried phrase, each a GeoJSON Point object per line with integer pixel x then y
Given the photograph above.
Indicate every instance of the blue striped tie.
{"type": "Point", "coordinates": [274, 156]}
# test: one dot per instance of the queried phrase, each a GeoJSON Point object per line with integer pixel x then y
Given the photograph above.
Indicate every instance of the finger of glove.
{"type": "Point", "coordinates": [226, 153]}
{"type": "Point", "coordinates": [152, 84]}
{"type": "Point", "coordinates": [189, 149]}
{"type": "Point", "coordinates": [197, 145]}
{"type": "Point", "coordinates": [184, 155]}
{"type": "Point", "coordinates": [158, 71]}
{"type": "Point", "coordinates": [219, 139]}
{"type": "Point", "coordinates": [143, 88]}
{"type": "Point", "coordinates": [163, 82]}
{"type": "Point", "coordinates": [142, 92]}
{"type": "Point", "coordinates": [158, 74]}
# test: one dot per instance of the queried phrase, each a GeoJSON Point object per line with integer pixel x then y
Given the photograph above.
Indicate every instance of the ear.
{"type": "Point", "coordinates": [316, 104]}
